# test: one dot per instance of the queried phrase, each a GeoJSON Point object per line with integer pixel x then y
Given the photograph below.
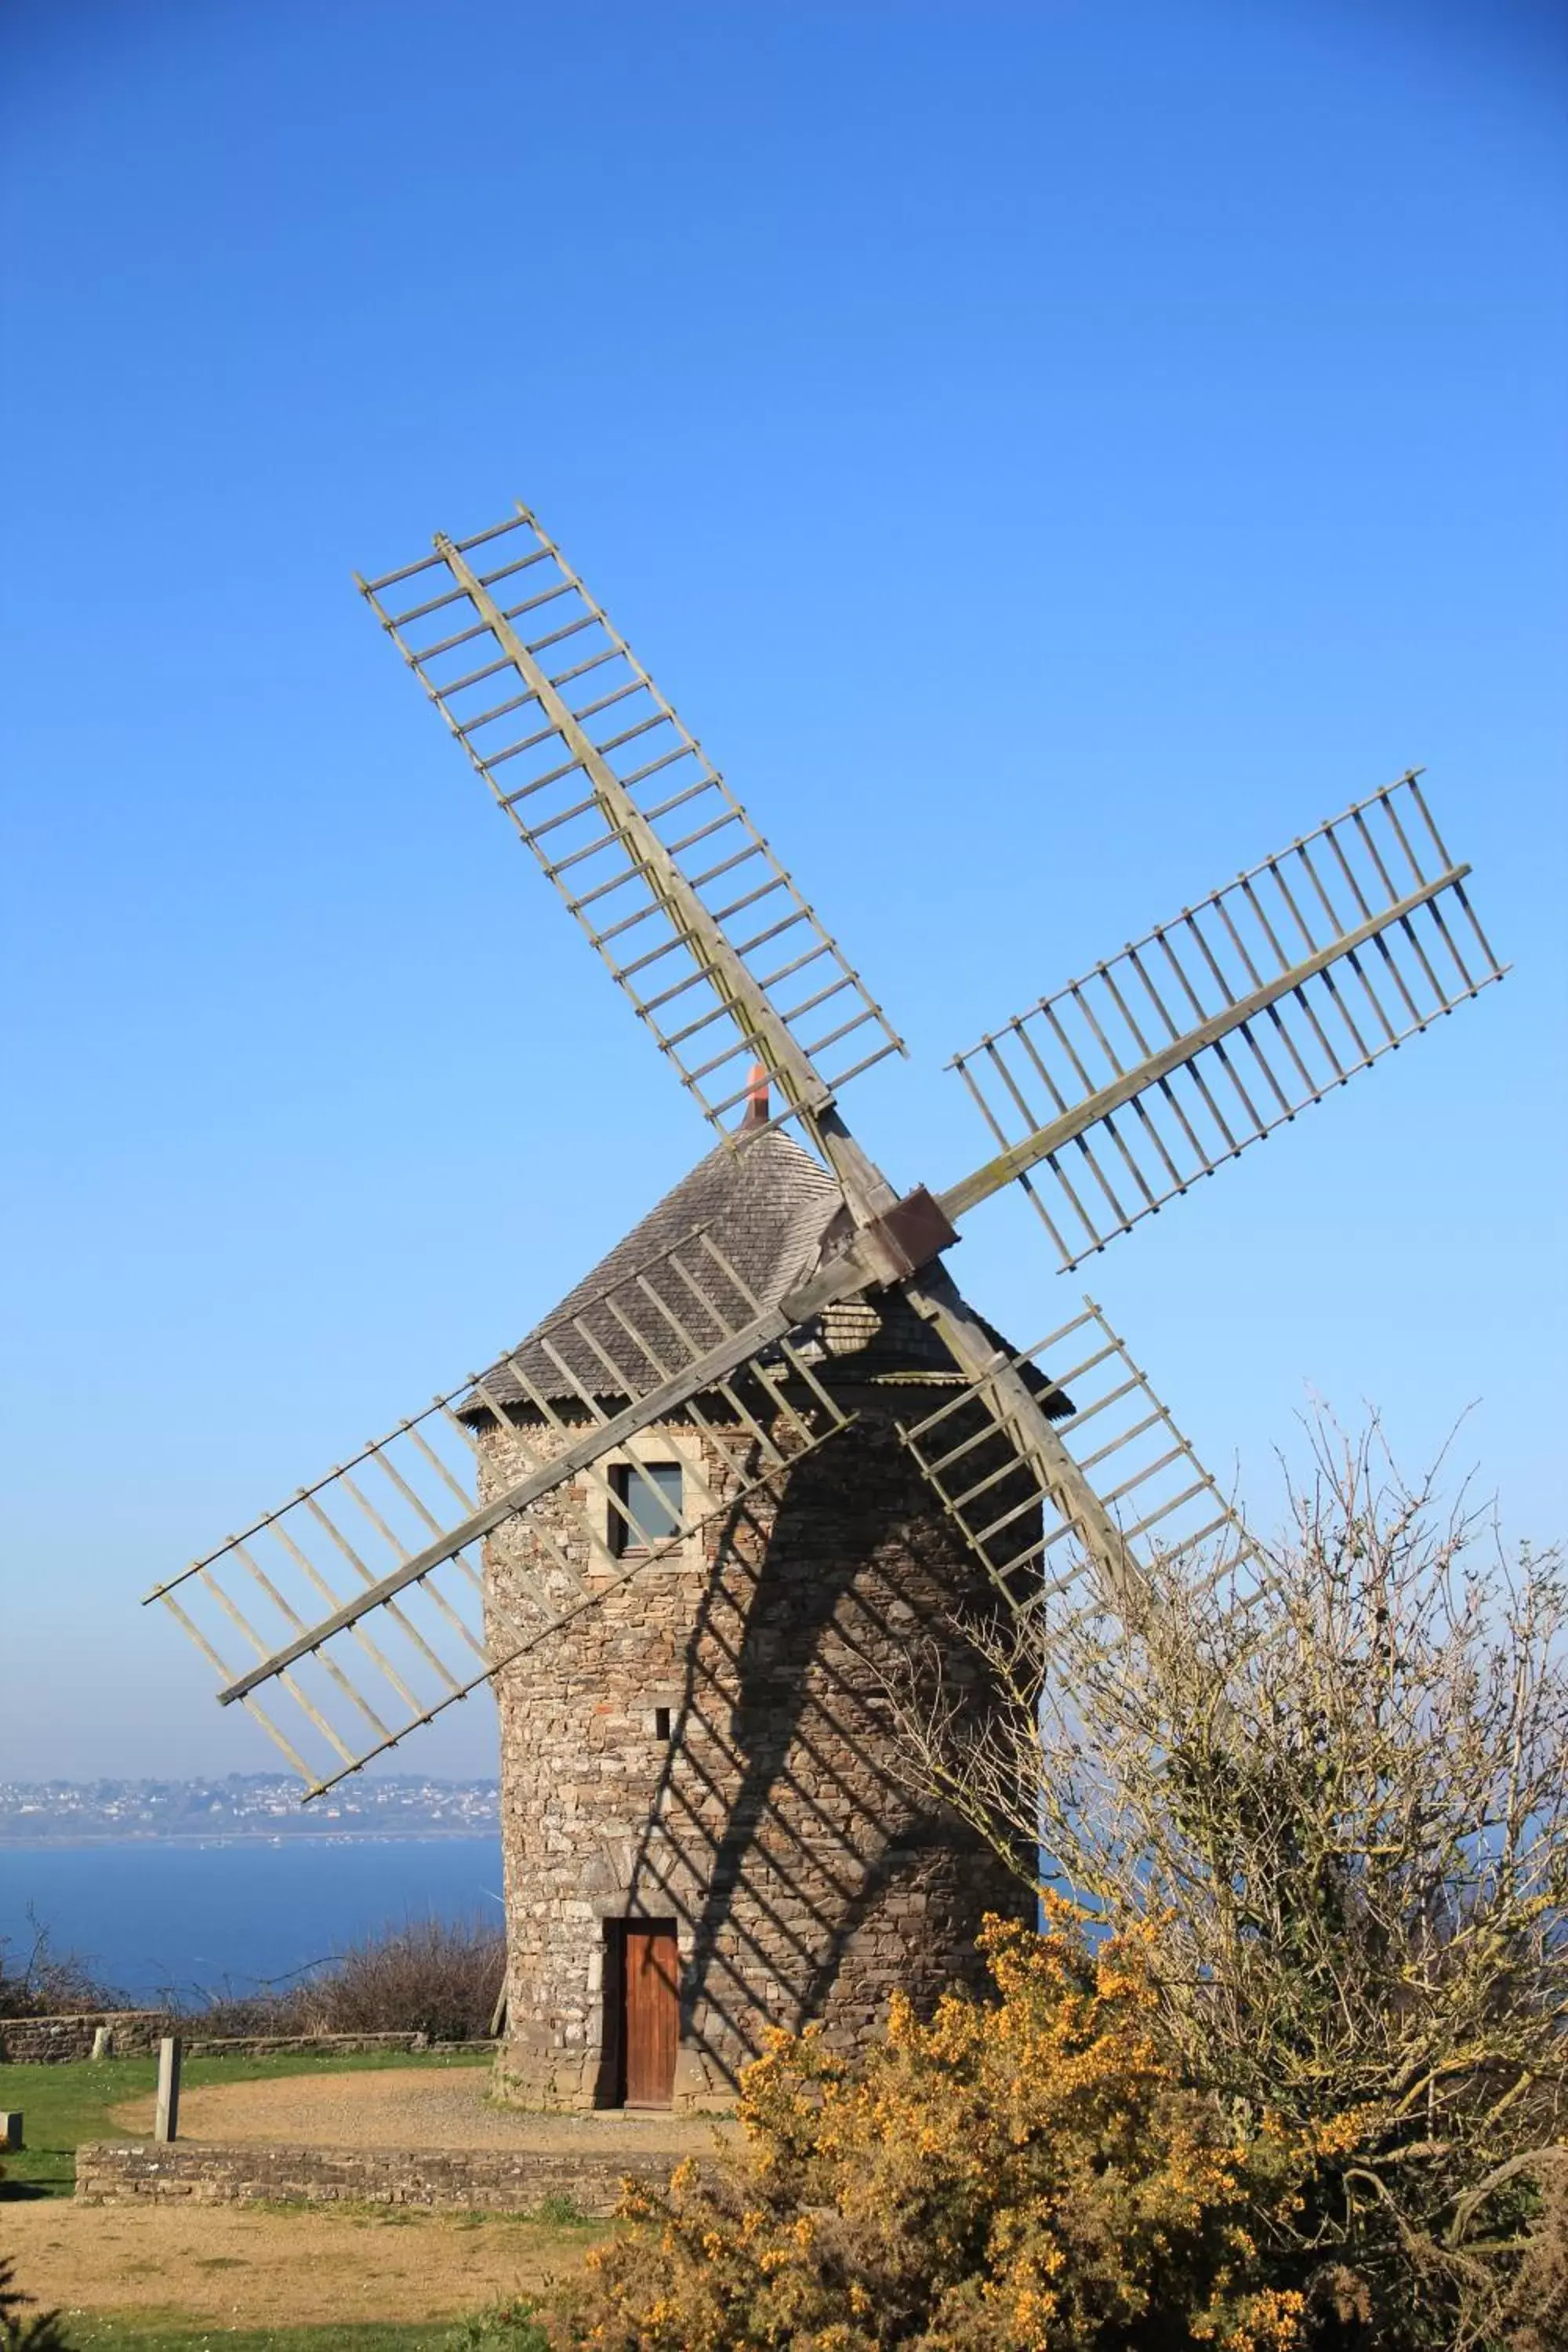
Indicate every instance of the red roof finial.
{"type": "Point", "coordinates": [757, 1112]}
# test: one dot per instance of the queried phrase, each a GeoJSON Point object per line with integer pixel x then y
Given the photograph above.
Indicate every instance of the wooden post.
{"type": "Point", "coordinates": [10, 2127]}
{"type": "Point", "coordinates": [166, 2120]}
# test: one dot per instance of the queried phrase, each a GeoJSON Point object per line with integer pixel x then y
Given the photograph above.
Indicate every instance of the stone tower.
{"type": "Point", "coordinates": [705, 1826]}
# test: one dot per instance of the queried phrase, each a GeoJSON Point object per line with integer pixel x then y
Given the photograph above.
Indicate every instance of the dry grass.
{"type": "Point", "coordinates": [233, 2266]}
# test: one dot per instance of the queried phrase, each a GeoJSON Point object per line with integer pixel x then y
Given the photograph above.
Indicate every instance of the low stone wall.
{"type": "Point", "coordinates": [470, 2181]}
{"type": "Point", "coordinates": [319, 2045]}
{"type": "Point", "coordinates": [49, 2041]}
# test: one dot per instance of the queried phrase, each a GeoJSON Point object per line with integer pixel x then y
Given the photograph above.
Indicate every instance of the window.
{"type": "Point", "coordinates": [649, 1501]}
{"type": "Point", "coordinates": [661, 1723]}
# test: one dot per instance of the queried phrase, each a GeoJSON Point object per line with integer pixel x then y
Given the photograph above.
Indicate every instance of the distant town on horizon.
{"type": "Point", "coordinates": [243, 1804]}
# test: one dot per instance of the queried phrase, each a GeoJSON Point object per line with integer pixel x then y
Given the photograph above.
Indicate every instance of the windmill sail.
{"type": "Point", "coordinates": [362, 1597]}
{"type": "Point", "coordinates": [1127, 1086]}
{"type": "Point", "coordinates": [652, 853]}
{"type": "Point", "coordinates": [1146, 1479]}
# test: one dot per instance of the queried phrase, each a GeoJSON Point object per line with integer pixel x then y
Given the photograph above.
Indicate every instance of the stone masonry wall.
{"type": "Point", "coordinates": [320, 2045]}
{"type": "Point", "coordinates": [773, 1825]}
{"type": "Point", "coordinates": [494, 2181]}
{"type": "Point", "coordinates": [50, 2041]}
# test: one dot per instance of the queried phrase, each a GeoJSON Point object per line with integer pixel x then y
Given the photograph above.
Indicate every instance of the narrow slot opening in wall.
{"type": "Point", "coordinates": [661, 1723]}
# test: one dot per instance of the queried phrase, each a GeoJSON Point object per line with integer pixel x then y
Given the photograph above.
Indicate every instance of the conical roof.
{"type": "Point", "coordinates": [766, 1202]}
{"type": "Point", "coordinates": [770, 1210]}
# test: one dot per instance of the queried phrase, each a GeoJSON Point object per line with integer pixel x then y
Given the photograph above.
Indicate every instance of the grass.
{"type": "Point", "coordinates": [166, 2332]}
{"type": "Point", "coordinates": [64, 2106]}
{"type": "Point", "coordinates": [147, 2332]}
{"type": "Point", "coordinates": [559, 2216]}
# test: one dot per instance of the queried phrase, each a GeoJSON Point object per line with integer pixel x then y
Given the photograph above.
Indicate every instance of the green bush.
{"type": "Point", "coordinates": [506, 2328]}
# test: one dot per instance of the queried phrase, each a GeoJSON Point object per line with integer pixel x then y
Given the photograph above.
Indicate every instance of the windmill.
{"type": "Point", "coordinates": [481, 1538]}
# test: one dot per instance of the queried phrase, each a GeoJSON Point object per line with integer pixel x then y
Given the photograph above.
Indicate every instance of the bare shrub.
{"type": "Point", "coordinates": [270, 2008]}
{"type": "Point", "coordinates": [1345, 1807]}
{"type": "Point", "coordinates": [430, 1976]}
{"type": "Point", "coordinates": [44, 1982]}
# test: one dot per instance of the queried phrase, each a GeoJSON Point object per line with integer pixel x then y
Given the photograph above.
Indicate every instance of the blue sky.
{"type": "Point", "coordinates": [1052, 454]}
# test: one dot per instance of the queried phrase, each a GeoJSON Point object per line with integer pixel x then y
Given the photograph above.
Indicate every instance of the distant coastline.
{"type": "Point", "coordinates": [242, 1808]}
{"type": "Point", "coordinates": [35, 1842]}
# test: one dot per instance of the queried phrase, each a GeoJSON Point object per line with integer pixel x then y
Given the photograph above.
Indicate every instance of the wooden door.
{"type": "Point", "coordinates": [650, 2011]}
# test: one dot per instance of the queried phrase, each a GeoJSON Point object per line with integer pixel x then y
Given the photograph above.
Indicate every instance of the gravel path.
{"type": "Point", "coordinates": [406, 2108]}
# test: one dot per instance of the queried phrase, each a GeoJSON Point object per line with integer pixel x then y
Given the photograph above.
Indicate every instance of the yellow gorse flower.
{"type": "Point", "coordinates": [1022, 2172]}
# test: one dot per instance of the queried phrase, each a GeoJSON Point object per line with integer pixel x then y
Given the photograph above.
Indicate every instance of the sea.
{"type": "Point", "coordinates": [234, 1915]}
